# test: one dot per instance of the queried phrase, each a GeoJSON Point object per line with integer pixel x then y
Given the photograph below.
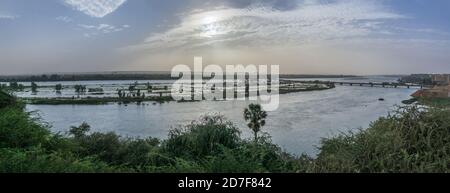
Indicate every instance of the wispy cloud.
{"type": "Point", "coordinates": [64, 19]}
{"type": "Point", "coordinates": [96, 8]}
{"type": "Point", "coordinates": [310, 21]}
{"type": "Point", "coordinates": [8, 16]}
{"type": "Point", "coordinates": [94, 30]}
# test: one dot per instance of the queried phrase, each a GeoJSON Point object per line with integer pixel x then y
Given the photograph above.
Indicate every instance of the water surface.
{"type": "Point", "coordinates": [298, 125]}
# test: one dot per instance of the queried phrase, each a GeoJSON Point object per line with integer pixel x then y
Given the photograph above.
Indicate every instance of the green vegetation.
{"type": "Point", "coordinates": [437, 102]}
{"type": "Point", "coordinates": [58, 87]}
{"type": "Point", "coordinates": [80, 89]}
{"type": "Point", "coordinates": [409, 101]}
{"type": "Point", "coordinates": [411, 140]}
{"type": "Point", "coordinates": [289, 86]}
{"type": "Point", "coordinates": [256, 118]}
{"type": "Point", "coordinates": [95, 100]}
{"type": "Point", "coordinates": [6, 99]}
{"type": "Point", "coordinates": [15, 86]}
{"type": "Point", "coordinates": [34, 87]}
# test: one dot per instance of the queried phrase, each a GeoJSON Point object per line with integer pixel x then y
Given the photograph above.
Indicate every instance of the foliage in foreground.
{"type": "Point", "coordinates": [411, 140]}
{"type": "Point", "coordinates": [414, 139]}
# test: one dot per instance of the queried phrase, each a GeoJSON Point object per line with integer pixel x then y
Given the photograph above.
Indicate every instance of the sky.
{"type": "Point", "coordinates": [302, 36]}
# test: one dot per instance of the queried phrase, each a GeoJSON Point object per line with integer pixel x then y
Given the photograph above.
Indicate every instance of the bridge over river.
{"type": "Point", "coordinates": [368, 84]}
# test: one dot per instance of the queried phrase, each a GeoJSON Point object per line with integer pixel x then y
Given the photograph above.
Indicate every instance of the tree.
{"type": "Point", "coordinates": [54, 77]}
{"type": "Point", "coordinates": [14, 85]}
{"type": "Point", "coordinates": [58, 87]}
{"type": "Point", "coordinates": [80, 131]}
{"type": "Point", "coordinates": [34, 87]}
{"type": "Point", "coordinates": [149, 87]}
{"type": "Point", "coordinates": [80, 88]}
{"type": "Point", "coordinates": [255, 117]}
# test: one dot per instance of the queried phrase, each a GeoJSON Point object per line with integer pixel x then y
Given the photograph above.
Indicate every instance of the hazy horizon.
{"type": "Point", "coordinates": [319, 37]}
{"type": "Point", "coordinates": [168, 72]}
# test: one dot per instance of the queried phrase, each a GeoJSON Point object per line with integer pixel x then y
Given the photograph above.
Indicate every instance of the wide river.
{"type": "Point", "coordinates": [299, 124]}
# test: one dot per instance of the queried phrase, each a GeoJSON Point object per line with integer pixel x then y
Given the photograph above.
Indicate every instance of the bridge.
{"type": "Point", "coordinates": [380, 84]}
{"type": "Point", "coordinates": [366, 84]}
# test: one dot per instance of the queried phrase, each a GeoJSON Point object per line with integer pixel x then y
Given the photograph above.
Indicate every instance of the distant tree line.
{"type": "Point", "coordinates": [124, 76]}
{"type": "Point", "coordinates": [84, 77]}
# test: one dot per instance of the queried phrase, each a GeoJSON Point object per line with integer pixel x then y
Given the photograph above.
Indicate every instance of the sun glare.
{"type": "Point", "coordinates": [210, 26]}
{"type": "Point", "coordinates": [209, 19]}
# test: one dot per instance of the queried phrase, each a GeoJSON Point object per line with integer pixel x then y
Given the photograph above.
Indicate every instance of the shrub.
{"type": "Point", "coordinates": [6, 99]}
{"type": "Point", "coordinates": [414, 139]}
{"type": "Point", "coordinates": [249, 156]}
{"type": "Point", "coordinates": [202, 138]}
{"type": "Point", "coordinates": [113, 149]}
{"type": "Point", "coordinates": [18, 130]}
{"type": "Point", "coordinates": [37, 160]}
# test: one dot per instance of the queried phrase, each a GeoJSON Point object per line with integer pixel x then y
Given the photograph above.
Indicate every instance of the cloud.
{"type": "Point", "coordinates": [7, 16]}
{"type": "Point", "coordinates": [96, 8]}
{"type": "Point", "coordinates": [64, 19]}
{"type": "Point", "coordinates": [94, 30]}
{"type": "Point", "coordinates": [276, 4]}
{"type": "Point", "coordinates": [268, 25]}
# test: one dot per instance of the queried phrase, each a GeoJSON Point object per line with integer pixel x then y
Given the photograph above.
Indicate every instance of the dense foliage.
{"type": "Point", "coordinates": [412, 140]}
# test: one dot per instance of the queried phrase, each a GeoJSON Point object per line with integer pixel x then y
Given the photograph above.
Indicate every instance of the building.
{"type": "Point", "coordinates": [435, 92]}
{"type": "Point", "coordinates": [441, 88]}
{"type": "Point", "coordinates": [440, 79]}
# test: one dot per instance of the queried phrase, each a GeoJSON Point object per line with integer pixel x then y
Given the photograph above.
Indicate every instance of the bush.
{"type": "Point", "coordinates": [39, 161]}
{"type": "Point", "coordinates": [249, 157]}
{"type": "Point", "coordinates": [6, 99]}
{"type": "Point", "coordinates": [113, 149]}
{"type": "Point", "coordinates": [414, 139]}
{"type": "Point", "coordinates": [18, 130]}
{"type": "Point", "coordinates": [202, 138]}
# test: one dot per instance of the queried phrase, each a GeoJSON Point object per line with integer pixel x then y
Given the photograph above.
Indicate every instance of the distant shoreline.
{"type": "Point", "coordinates": [124, 76]}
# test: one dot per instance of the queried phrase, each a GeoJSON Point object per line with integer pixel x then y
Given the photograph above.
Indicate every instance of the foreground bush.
{"type": "Point", "coordinates": [113, 149]}
{"type": "Point", "coordinates": [411, 140]}
{"type": "Point", "coordinates": [37, 160]}
{"type": "Point", "coordinates": [18, 130]}
{"type": "Point", "coordinates": [205, 137]}
{"type": "Point", "coordinates": [6, 99]}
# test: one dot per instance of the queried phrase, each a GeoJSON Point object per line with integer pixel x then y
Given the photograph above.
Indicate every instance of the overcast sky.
{"type": "Point", "coordinates": [302, 36]}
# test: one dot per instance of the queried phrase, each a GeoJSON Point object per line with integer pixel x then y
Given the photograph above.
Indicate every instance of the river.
{"type": "Point", "coordinates": [298, 125]}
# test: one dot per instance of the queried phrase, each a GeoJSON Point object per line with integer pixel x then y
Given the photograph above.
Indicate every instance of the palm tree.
{"type": "Point", "coordinates": [255, 117]}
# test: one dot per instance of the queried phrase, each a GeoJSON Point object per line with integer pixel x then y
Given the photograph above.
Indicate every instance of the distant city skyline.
{"type": "Point", "coordinates": [359, 37]}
